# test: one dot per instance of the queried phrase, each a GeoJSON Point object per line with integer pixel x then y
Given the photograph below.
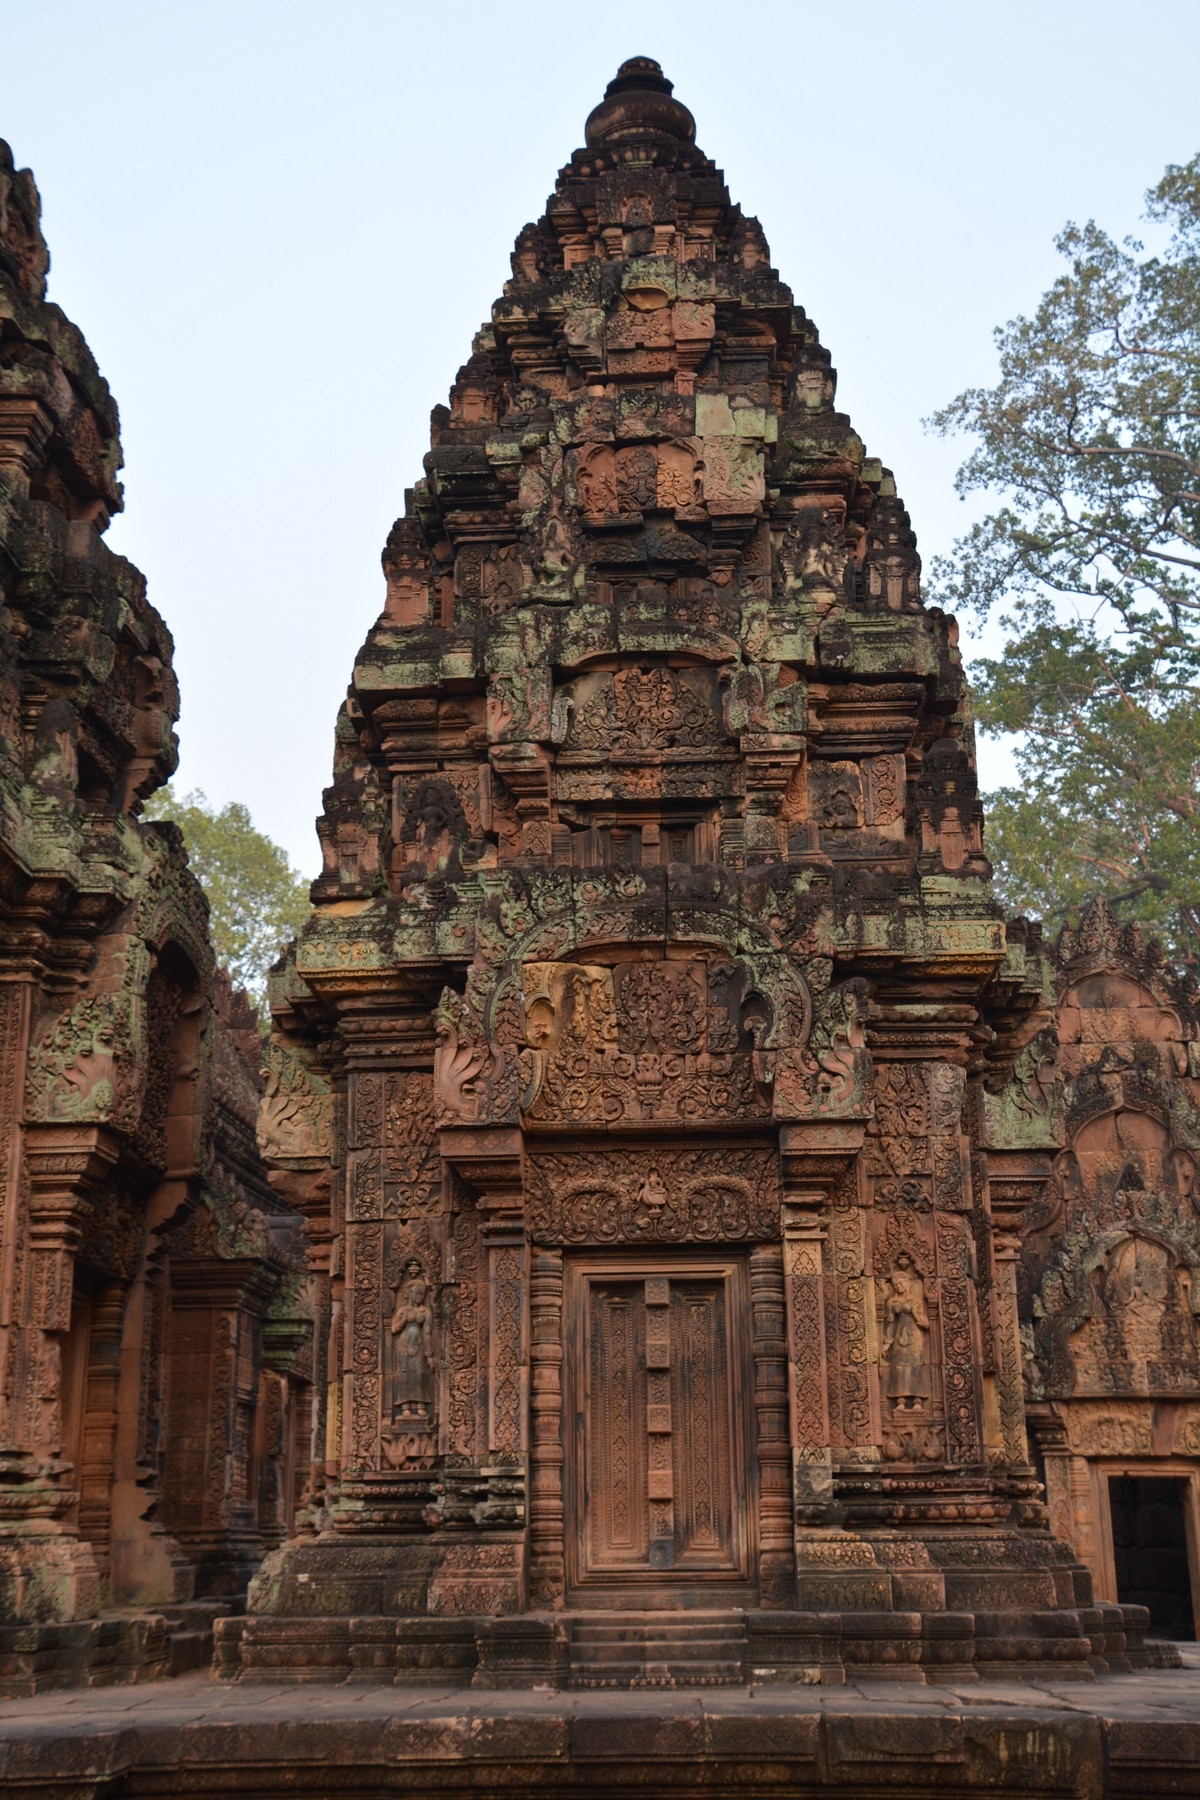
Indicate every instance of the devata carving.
{"type": "Point", "coordinates": [412, 1354]}
{"type": "Point", "coordinates": [905, 1336]}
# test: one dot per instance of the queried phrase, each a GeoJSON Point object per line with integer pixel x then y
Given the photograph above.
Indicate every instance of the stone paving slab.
{"type": "Point", "coordinates": [1134, 1735]}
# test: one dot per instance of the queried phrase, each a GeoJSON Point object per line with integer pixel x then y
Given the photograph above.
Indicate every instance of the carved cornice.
{"type": "Point", "coordinates": [813, 1154]}
{"type": "Point", "coordinates": [491, 1158]}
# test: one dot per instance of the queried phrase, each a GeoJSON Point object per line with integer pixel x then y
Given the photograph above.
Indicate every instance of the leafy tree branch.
{"type": "Point", "coordinates": [258, 900]}
{"type": "Point", "coordinates": [1088, 445]}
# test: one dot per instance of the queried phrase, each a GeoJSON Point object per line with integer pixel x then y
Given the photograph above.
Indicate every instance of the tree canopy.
{"type": "Point", "coordinates": [1090, 441]}
{"type": "Point", "coordinates": [258, 900]}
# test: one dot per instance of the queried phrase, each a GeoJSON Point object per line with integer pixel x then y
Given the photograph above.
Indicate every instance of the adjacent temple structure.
{"type": "Point", "coordinates": [732, 1251]}
{"type": "Point", "coordinates": [155, 1335]}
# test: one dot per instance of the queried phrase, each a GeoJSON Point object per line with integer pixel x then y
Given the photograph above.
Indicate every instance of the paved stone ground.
{"type": "Point", "coordinates": [1120, 1735]}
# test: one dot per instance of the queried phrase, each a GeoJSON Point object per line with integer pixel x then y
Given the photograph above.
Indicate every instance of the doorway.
{"type": "Point", "coordinates": [660, 1491]}
{"type": "Point", "coordinates": [1150, 1551]}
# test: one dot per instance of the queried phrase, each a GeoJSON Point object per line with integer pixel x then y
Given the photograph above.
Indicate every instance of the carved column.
{"type": "Point", "coordinates": [486, 1491]}
{"type": "Point", "coordinates": [95, 1476]}
{"type": "Point", "coordinates": [64, 1162]}
{"type": "Point", "coordinates": [491, 1159]}
{"type": "Point", "coordinates": [1050, 1435]}
{"type": "Point", "coordinates": [217, 1305]}
{"type": "Point", "coordinates": [547, 1568]}
{"type": "Point", "coordinates": [776, 1554]}
{"type": "Point", "coordinates": [301, 1133]}
{"type": "Point", "coordinates": [50, 1569]}
{"type": "Point", "coordinates": [1006, 1248]}
{"type": "Point", "coordinates": [813, 1155]}
{"type": "Point", "coordinates": [393, 1252]}
{"type": "Point", "coordinates": [957, 1262]}
{"type": "Point", "coordinates": [14, 1034]}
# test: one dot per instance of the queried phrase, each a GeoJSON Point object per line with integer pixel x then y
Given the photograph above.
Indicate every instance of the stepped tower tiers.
{"type": "Point", "coordinates": [631, 1071]}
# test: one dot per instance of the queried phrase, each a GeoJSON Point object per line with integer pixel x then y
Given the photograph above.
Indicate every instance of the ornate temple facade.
{"type": "Point", "coordinates": [1109, 1268]}
{"type": "Point", "coordinates": [691, 1235]}
{"type": "Point", "coordinates": [155, 1341]}
{"type": "Point", "coordinates": [669, 1104]}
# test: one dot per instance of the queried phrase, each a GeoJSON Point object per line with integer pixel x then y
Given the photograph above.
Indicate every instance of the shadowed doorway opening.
{"type": "Point", "coordinates": [1150, 1550]}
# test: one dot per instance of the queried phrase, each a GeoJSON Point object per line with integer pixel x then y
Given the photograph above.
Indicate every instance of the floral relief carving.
{"type": "Point", "coordinates": [626, 1196]}
{"type": "Point", "coordinates": [645, 708]}
{"type": "Point", "coordinates": [73, 1071]}
{"type": "Point", "coordinates": [294, 1118]}
{"type": "Point", "coordinates": [644, 1041]}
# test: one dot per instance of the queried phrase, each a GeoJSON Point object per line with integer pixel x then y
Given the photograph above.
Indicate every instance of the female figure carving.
{"type": "Point", "coordinates": [412, 1332]}
{"type": "Point", "coordinates": [905, 1332]}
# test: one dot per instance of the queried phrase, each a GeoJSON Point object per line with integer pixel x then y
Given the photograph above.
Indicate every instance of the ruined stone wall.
{"type": "Point", "coordinates": [153, 1324]}
{"type": "Point", "coordinates": [1107, 1099]}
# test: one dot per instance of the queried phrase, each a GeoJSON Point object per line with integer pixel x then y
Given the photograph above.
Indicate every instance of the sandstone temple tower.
{"type": "Point", "coordinates": [646, 1072]}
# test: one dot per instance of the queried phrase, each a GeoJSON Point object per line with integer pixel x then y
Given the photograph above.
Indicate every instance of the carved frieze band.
{"type": "Point", "coordinates": [709, 1194]}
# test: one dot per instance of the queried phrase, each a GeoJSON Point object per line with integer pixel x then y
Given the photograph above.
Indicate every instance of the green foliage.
{"type": "Point", "coordinates": [1091, 440]}
{"type": "Point", "coordinates": [258, 901]}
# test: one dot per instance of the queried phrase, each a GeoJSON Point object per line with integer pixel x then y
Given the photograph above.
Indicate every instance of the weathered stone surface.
{"type": "Point", "coordinates": [1100, 1128]}
{"type": "Point", "coordinates": [154, 1338]}
{"type": "Point", "coordinates": [640, 1068]}
{"type": "Point", "coordinates": [1122, 1736]}
{"type": "Point", "coordinates": [737, 1254]}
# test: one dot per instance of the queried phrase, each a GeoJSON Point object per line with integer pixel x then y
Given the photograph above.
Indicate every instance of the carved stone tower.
{"type": "Point", "coordinates": [631, 1071]}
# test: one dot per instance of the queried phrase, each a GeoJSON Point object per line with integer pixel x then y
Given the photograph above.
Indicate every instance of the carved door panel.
{"type": "Point", "coordinates": [658, 1480]}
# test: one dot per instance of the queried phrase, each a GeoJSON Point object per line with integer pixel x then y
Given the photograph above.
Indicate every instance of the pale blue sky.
{"type": "Point", "coordinates": [280, 225]}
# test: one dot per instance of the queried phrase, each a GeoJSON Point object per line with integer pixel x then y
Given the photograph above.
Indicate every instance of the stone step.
{"type": "Point", "coordinates": [657, 1635]}
{"type": "Point", "coordinates": [187, 1650]}
{"type": "Point", "coordinates": [650, 1620]}
{"type": "Point", "coordinates": [658, 1626]}
{"type": "Point", "coordinates": [673, 1674]}
{"type": "Point", "coordinates": [656, 1650]}
{"type": "Point", "coordinates": [612, 1649]}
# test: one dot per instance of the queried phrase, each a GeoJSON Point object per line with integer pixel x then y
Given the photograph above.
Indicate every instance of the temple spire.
{"type": "Point", "coordinates": [637, 104]}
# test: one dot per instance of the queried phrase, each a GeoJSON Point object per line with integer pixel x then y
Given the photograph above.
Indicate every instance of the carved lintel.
{"type": "Point", "coordinates": [224, 1284]}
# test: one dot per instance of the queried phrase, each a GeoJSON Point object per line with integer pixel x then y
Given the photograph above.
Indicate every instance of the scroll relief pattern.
{"type": "Point", "coordinates": [640, 709]}
{"type": "Point", "coordinates": [642, 1041]}
{"type": "Point", "coordinates": [707, 1195]}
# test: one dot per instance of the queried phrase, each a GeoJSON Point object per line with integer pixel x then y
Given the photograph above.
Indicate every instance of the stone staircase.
{"type": "Point", "coordinates": [119, 1648]}
{"type": "Point", "coordinates": [657, 1650]}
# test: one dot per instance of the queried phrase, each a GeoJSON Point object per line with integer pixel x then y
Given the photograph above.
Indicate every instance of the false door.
{"type": "Point", "coordinates": [658, 1480]}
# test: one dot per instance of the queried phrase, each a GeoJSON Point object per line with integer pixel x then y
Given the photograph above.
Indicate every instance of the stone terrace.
{"type": "Point", "coordinates": [1120, 1735]}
